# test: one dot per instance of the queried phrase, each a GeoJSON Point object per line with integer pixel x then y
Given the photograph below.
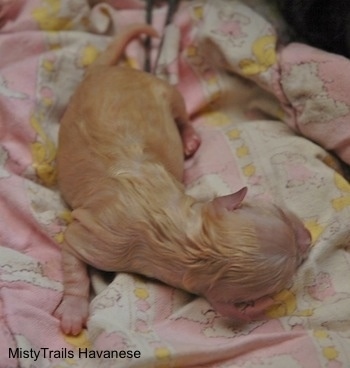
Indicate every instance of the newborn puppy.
{"type": "Point", "coordinates": [120, 160]}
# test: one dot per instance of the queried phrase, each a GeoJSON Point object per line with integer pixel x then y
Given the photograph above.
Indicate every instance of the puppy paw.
{"type": "Point", "coordinates": [190, 140]}
{"type": "Point", "coordinates": [73, 313]}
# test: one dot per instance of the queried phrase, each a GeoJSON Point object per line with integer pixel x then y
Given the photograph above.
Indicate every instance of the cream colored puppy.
{"type": "Point", "coordinates": [120, 164]}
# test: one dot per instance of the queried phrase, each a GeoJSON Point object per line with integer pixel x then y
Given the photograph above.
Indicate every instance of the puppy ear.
{"type": "Point", "coordinates": [231, 201]}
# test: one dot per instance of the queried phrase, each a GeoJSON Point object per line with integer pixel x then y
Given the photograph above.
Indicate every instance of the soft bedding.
{"type": "Point", "coordinates": [268, 111]}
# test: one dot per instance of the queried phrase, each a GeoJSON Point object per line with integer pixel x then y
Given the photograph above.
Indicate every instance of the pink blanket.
{"type": "Point", "coordinates": [251, 98]}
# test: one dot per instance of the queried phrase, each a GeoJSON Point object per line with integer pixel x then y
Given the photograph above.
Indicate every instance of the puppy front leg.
{"type": "Point", "coordinates": [73, 310]}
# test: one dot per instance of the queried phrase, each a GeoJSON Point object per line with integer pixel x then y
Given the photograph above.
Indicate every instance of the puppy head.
{"type": "Point", "coordinates": [252, 250]}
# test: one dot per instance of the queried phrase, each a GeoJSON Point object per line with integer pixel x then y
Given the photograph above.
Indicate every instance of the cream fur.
{"type": "Point", "coordinates": [120, 165]}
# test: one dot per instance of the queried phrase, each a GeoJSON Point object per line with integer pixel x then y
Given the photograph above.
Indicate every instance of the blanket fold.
{"type": "Point", "coordinates": [267, 112]}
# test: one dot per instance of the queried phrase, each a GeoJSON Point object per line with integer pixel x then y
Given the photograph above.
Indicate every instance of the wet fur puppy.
{"type": "Point", "coordinates": [122, 143]}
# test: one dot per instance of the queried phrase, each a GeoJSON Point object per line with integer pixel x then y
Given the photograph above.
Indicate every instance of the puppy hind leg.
{"type": "Point", "coordinates": [74, 308]}
{"type": "Point", "coordinates": [190, 139]}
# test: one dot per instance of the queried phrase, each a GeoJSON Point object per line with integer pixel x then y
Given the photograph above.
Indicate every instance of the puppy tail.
{"type": "Point", "coordinates": [115, 50]}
